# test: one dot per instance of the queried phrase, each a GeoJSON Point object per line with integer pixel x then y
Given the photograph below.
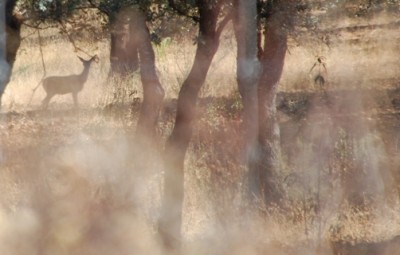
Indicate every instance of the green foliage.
{"type": "Point", "coordinates": [265, 7]}
{"type": "Point", "coordinates": [112, 7]}
{"type": "Point", "coordinates": [162, 46]}
{"type": "Point", "coordinates": [56, 10]}
{"type": "Point", "coordinates": [78, 13]}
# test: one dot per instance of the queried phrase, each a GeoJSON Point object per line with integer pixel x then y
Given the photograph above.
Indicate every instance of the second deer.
{"type": "Point", "coordinates": [60, 85]}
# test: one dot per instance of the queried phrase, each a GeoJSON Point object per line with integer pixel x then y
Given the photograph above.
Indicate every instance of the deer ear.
{"type": "Point", "coordinates": [95, 58]}
{"type": "Point", "coordinates": [81, 59]}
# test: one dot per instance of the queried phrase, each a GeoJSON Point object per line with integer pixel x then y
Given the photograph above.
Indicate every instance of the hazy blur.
{"type": "Point", "coordinates": [79, 182]}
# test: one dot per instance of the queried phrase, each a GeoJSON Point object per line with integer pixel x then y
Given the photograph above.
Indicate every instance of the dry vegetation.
{"type": "Point", "coordinates": [78, 182]}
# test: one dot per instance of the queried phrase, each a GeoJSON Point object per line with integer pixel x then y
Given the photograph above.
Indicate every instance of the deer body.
{"type": "Point", "coordinates": [61, 85]}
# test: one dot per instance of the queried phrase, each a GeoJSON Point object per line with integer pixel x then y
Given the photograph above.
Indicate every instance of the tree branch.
{"type": "Point", "coordinates": [181, 12]}
{"type": "Point", "coordinates": [103, 10]}
{"type": "Point", "coordinates": [37, 26]}
{"type": "Point", "coordinates": [223, 23]}
{"type": "Point", "coordinates": [76, 48]}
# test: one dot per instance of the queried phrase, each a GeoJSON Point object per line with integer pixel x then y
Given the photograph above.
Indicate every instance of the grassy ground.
{"type": "Point", "coordinates": [77, 181]}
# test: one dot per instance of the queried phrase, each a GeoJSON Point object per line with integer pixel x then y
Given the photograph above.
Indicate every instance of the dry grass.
{"type": "Point", "coordinates": [77, 181]}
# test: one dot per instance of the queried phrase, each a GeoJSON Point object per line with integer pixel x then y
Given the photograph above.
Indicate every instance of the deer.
{"type": "Point", "coordinates": [61, 85]}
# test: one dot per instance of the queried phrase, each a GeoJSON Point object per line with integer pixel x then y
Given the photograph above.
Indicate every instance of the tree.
{"type": "Point", "coordinates": [208, 41]}
{"type": "Point", "coordinates": [248, 73]}
{"type": "Point", "coordinates": [4, 65]}
{"type": "Point", "coordinates": [10, 45]}
{"type": "Point", "coordinates": [127, 22]}
{"type": "Point", "coordinates": [124, 57]}
{"type": "Point", "coordinates": [257, 86]}
{"type": "Point", "coordinates": [131, 48]}
{"type": "Point", "coordinates": [276, 21]}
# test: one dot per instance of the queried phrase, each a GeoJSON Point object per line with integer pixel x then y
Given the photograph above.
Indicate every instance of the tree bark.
{"type": "Point", "coordinates": [275, 46]}
{"type": "Point", "coordinates": [131, 49]}
{"type": "Point", "coordinates": [9, 44]}
{"type": "Point", "coordinates": [153, 92]}
{"type": "Point", "coordinates": [123, 60]}
{"type": "Point", "coordinates": [248, 72]}
{"type": "Point", "coordinates": [122, 63]}
{"type": "Point", "coordinates": [171, 212]}
{"type": "Point", "coordinates": [4, 66]}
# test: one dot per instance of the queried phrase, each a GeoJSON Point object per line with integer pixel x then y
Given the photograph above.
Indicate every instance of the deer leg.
{"type": "Point", "coordinates": [46, 101]}
{"type": "Point", "coordinates": [75, 97]}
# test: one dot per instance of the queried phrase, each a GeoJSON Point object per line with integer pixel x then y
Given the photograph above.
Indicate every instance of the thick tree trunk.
{"type": "Point", "coordinates": [171, 212]}
{"type": "Point", "coordinates": [123, 60]}
{"type": "Point", "coordinates": [153, 92]}
{"type": "Point", "coordinates": [4, 66]}
{"type": "Point", "coordinates": [130, 49]}
{"type": "Point", "coordinates": [248, 71]}
{"type": "Point", "coordinates": [275, 45]}
{"type": "Point", "coordinates": [122, 63]}
{"type": "Point", "coordinates": [10, 45]}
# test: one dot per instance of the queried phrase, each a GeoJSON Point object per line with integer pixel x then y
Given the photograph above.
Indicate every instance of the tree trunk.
{"type": "Point", "coordinates": [121, 63]}
{"type": "Point", "coordinates": [171, 212]}
{"type": "Point", "coordinates": [153, 92]}
{"type": "Point", "coordinates": [275, 45]}
{"type": "Point", "coordinates": [4, 66]}
{"type": "Point", "coordinates": [248, 71]}
{"type": "Point", "coordinates": [130, 49]}
{"type": "Point", "coordinates": [12, 28]}
{"type": "Point", "coordinates": [123, 60]}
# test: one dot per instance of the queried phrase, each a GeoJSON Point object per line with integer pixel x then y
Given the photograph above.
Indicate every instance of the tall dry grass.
{"type": "Point", "coordinates": [174, 61]}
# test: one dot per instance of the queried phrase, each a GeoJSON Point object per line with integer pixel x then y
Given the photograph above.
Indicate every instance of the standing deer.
{"type": "Point", "coordinates": [60, 85]}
